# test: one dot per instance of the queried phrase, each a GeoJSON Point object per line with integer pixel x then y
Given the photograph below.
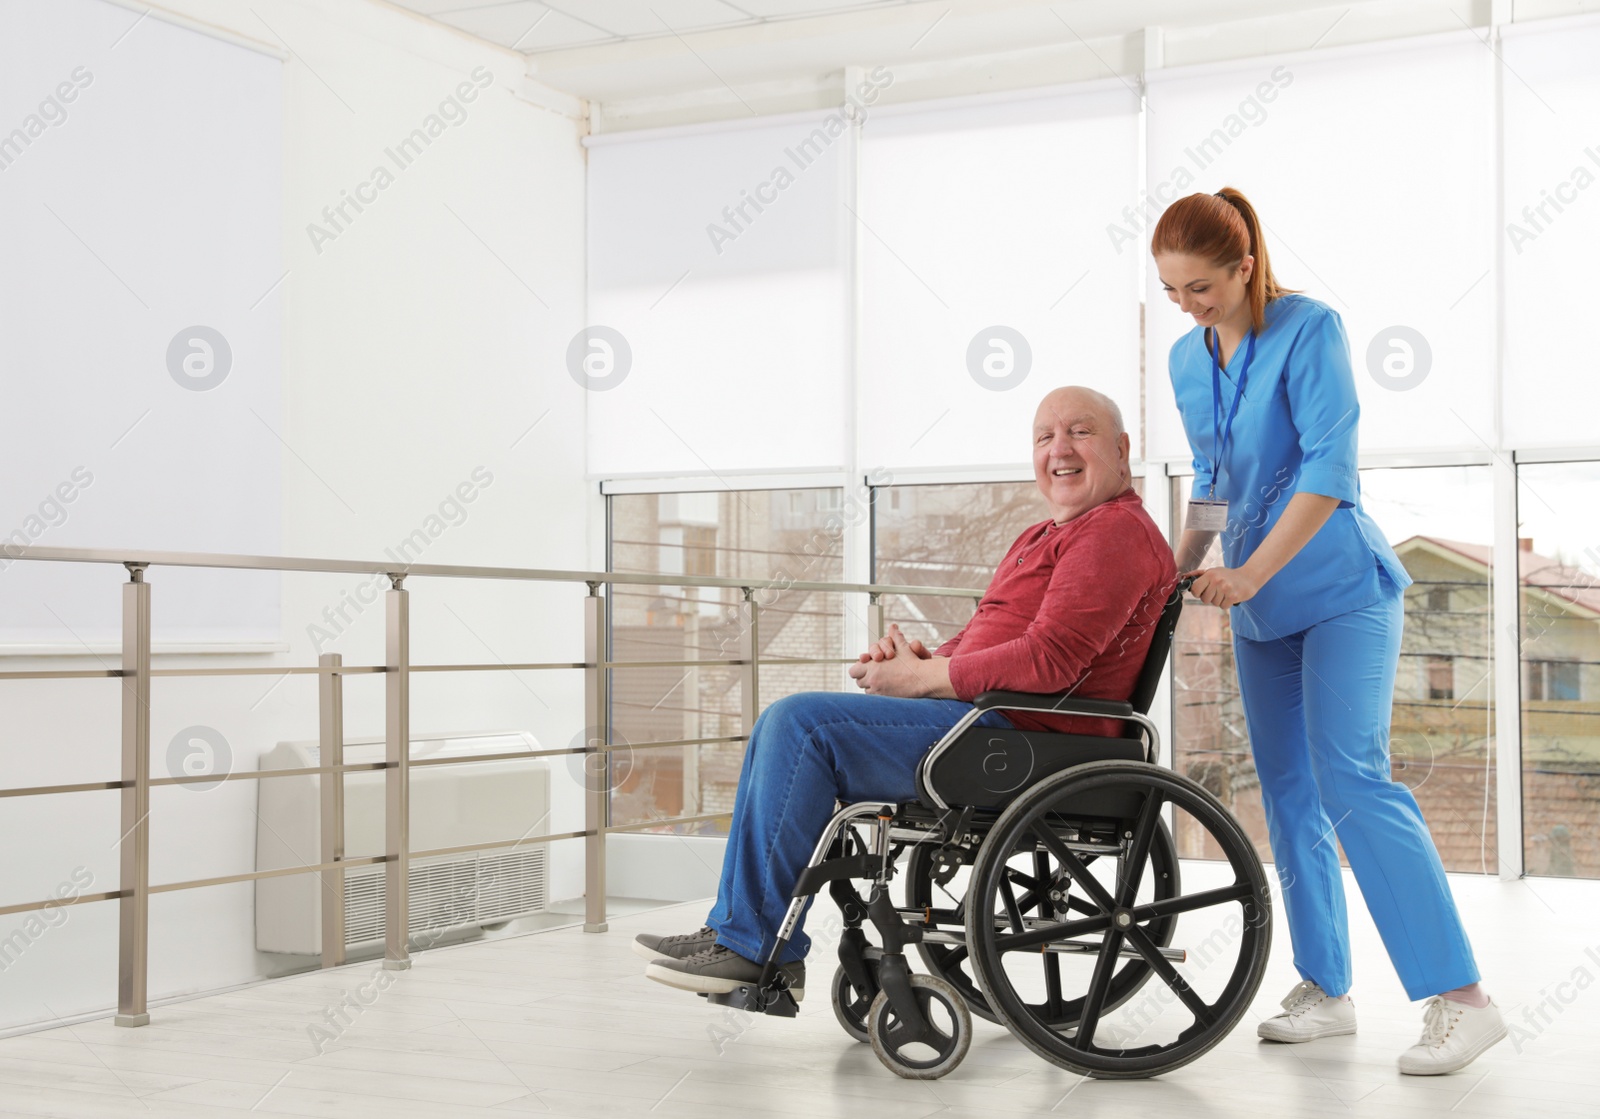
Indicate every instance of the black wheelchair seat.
{"type": "Point", "coordinates": [988, 767]}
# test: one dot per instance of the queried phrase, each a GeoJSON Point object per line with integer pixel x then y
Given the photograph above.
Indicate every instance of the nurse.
{"type": "Point", "coordinates": [1264, 385]}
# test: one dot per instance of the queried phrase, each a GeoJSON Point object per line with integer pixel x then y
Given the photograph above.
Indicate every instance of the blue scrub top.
{"type": "Point", "coordinates": [1295, 433]}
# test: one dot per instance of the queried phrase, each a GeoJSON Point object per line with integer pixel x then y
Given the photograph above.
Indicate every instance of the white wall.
{"type": "Point", "coordinates": [419, 346]}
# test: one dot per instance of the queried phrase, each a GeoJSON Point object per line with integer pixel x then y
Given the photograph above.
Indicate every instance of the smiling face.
{"type": "Point", "coordinates": [1210, 293]}
{"type": "Point", "coordinates": [1080, 453]}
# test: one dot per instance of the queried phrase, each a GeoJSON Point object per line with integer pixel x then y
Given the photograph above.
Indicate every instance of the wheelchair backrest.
{"type": "Point", "coordinates": [1155, 661]}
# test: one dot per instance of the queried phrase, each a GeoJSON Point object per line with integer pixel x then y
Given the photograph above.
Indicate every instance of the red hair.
{"type": "Point", "coordinates": [1221, 228]}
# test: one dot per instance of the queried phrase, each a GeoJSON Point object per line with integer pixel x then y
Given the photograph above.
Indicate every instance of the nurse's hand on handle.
{"type": "Point", "coordinates": [1224, 586]}
{"type": "Point", "coordinates": [1305, 514]}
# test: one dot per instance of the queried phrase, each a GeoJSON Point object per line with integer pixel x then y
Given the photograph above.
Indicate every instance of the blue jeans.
{"type": "Point", "coordinates": [1317, 704]}
{"type": "Point", "coordinates": [806, 752]}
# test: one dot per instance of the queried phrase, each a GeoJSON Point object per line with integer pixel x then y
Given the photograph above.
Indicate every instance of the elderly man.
{"type": "Point", "coordinates": [1072, 607]}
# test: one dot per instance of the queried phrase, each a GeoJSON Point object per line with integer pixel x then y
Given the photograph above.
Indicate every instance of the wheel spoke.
{"type": "Point", "coordinates": [1029, 900]}
{"type": "Point", "coordinates": [1075, 868]}
{"type": "Point", "coordinates": [898, 1037]}
{"type": "Point", "coordinates": [1052, 962]}
{"type": "Point", "coordinates": [1052, 985]}
{"type": "Point", "coordinates": [1132, 865]}
{"type": "Point", "coordinates": [1095, 999]}
{"type": "Point", "coordinates": [1078, 905]}
{"type": "Point", "coordinates": [1201, 1010]}
{"type": "Point", "coordinates": [900, 1033]}
{"type": "Point", "coordinates": [1171, 907]}
{"type": "Point", "coordinates": [1013, 913]}
{"type": "Point", "coordinates": [1026, 881]}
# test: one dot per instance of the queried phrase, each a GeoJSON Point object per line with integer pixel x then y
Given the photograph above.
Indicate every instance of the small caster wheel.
{"type": "Point", "coordinates": [850, 1005]}
{"type": "Point", "coordinates": [925, 1058]}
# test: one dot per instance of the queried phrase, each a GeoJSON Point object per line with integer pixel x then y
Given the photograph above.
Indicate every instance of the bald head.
{"type": "Point", "coordinates": [1080, 450]}
{"type": "Point", "coordinates": [1080, 399]}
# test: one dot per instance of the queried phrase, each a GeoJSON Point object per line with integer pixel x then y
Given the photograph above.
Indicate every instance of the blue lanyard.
{"type": "Point", "coordinates": [1220, 434]}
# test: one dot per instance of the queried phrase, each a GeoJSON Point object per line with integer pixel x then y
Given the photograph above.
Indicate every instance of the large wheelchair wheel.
{"type": "Point", "coordinates": [1046, 895]}
{"type": "Point", "coordinates": [1223, 929]}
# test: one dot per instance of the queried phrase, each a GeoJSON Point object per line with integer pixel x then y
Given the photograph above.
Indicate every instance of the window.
{"type": "Point", "coordinates": [1438, 521]}
{"type": "Point", "coordinates": [1553, 680]}
{"type": "Point", "coordinates": [759, 534]}
{"type": "Point", "coordinates": [1440, 676]}
{"type": "Point", "coordinates": [1559, 599]}
{"type": "Point", "coordinates": [947, 536]}
{"type": "Point", "coordinates": [699, 550]}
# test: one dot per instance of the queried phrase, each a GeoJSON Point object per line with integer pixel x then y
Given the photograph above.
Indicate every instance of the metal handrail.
{"type": "Point", "coordinates": [136, 672]}
{"type": "Point", "coordinates": [367, 767]}
{"type": "Point", "coordinates": [450, 571]}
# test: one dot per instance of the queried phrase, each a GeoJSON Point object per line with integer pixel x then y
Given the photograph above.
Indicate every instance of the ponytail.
{"type": "Point", "coordinates": [1223, 229]}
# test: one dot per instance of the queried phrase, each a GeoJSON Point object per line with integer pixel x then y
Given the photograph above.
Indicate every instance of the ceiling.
{"type": "Point", "coordinates": [532, 26]}
{"type": "Point", "coordinates": [646, 62]}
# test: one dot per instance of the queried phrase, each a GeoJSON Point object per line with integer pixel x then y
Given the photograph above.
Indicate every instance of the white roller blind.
{"type": "Point", "coordinates": [988, 274]}
{"type": "Point", "coordinates": [718, 258]}
{"type": "Point", "coordinates": [1552, 209]}
{"type": "Point", "coordinates": [1372, 171]}
{"type": "Point", "coordinates": [141, 219]}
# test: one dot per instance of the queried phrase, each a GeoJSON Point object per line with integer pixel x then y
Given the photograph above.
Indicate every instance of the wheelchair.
{"type": "Point", "coordinates": [1042, 892]}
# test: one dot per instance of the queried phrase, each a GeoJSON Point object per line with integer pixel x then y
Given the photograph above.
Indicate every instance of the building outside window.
{"type": "Point", "coordinates": [759, 534]}
{"type": "Point", "coordinates": [1559, 562]}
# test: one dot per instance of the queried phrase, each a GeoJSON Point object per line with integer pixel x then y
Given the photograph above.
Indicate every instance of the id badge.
{"type": "Point", "coordinates": [1206, 516]}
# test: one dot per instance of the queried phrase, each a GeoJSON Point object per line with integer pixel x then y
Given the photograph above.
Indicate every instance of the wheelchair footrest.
{"type": "Point", "coordinates": [758, 1000]}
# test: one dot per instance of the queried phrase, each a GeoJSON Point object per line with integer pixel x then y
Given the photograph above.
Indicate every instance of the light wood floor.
{"type": "Point", "coordinates": [562, 1023]}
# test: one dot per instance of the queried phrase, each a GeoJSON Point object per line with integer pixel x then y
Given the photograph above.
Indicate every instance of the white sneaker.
{"type": "Point", "coordinates": [1308, 1013]}
{"type": "Point", "coordinates": [1453, 1036]}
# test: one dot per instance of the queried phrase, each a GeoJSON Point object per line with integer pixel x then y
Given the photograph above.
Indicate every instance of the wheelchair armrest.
{"type": "Point", "coordinates": [1063, 704]}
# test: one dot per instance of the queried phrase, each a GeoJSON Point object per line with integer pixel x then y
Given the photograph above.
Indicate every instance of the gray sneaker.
{"type": "Point", "coordinates": [653, 947]}
{"type": "Point", "coordinates": [717, 970]}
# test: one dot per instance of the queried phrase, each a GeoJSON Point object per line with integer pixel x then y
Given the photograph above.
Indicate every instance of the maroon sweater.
{"type": "Point", "coordinates": [1072, 607]}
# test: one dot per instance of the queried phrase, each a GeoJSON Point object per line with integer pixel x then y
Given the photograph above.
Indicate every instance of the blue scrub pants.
{"type": "Point", "coordinates": [1317, 704]}
{"type": "Point", "coordinates": [805, 752]}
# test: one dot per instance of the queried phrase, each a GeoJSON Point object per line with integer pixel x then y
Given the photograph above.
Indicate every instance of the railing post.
{"type": "Point", "coordinates": [875, 616]}
{"type": "Point", "coordinates": [397, 800]}
{"type": "Point", "coordinates": [597, 760]}
{"type": "Point", "coordinates": [750, 655]}
{"type": "Point", "coordinates": [133, 926]}
{"type": "Point", "coordinates": [330, 710]}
